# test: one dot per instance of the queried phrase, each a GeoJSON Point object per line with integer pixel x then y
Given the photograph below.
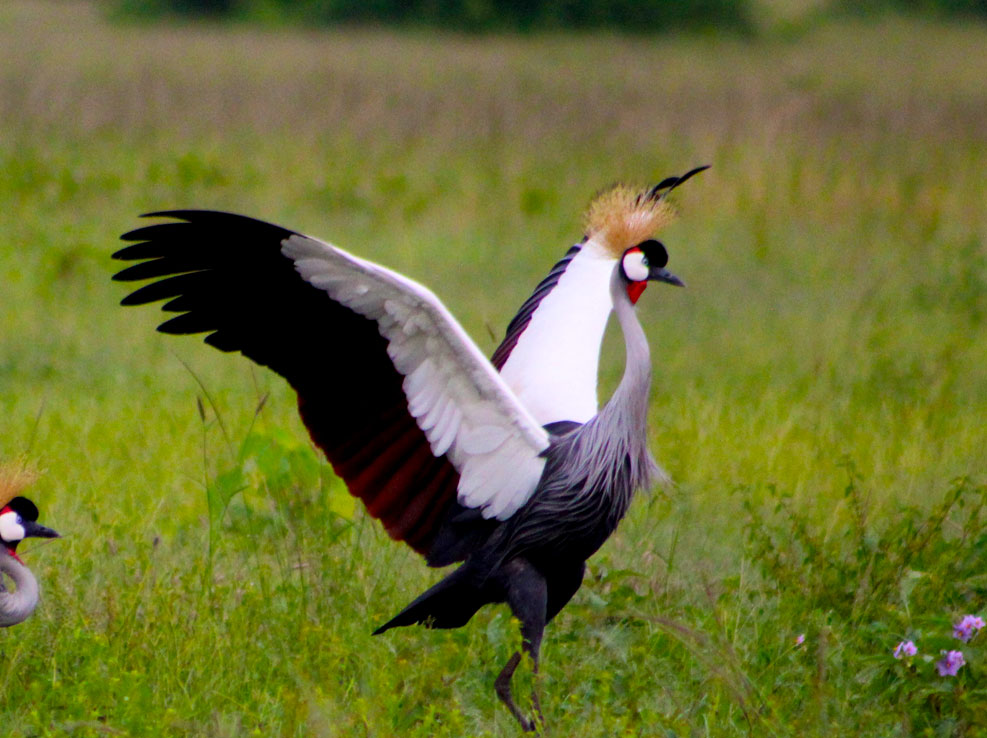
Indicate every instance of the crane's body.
{"type": "Point", "coordinates": [590, 475]}
{"type": "Point", "coordinates": [505, 465]}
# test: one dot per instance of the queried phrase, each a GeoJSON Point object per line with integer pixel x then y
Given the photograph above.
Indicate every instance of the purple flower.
{"type": "Point", "coordinates": [905, 648]}
{"type": "Point", "coordinates": [800, 639]}
{"type": "Point", "coordinates": [967, 628]}
{"type": "Point", "coordinates": [950, 663]}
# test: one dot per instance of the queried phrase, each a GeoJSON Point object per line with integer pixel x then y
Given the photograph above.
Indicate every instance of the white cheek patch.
{"type": "Point", "coordinates": [10, 529]}
{"type": "Point", "coordinates": [635, 266]}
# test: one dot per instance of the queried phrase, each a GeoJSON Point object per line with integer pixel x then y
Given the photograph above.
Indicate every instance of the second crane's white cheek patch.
{"type": "Point", "coordinates": [635, 266]}
{"type": "Point", "coordinates": [10, 529]}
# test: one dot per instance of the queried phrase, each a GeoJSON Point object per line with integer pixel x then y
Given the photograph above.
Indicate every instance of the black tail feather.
{"type": "Point", "coordinates": [450, 603]}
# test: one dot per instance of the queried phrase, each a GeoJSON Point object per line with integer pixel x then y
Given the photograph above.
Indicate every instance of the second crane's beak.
{"type": "Point", "coordinates": [663, 275]}
{"type": "Point", "coordinates": [33, 530]}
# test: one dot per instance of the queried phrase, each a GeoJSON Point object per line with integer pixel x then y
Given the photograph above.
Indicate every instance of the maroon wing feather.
{"type": "Point", "coordinates": [227, 276]}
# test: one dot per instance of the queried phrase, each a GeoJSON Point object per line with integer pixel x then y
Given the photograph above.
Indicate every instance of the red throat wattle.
{"type": "Point", "coordinates": [634, 290]}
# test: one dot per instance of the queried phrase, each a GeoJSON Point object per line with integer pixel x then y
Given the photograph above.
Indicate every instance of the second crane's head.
{"type": "Point", "coordinates": [18, 520]}
{"type": "Point", "coordinates": [623, 223]}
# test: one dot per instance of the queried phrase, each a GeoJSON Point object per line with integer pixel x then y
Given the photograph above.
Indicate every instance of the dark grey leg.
{"type": "Point", "coordinates": [503, 687]}
{"type": "Point", "coordinates": [527, 596]}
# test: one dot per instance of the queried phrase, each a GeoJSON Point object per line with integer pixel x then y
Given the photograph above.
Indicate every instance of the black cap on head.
{"type": "Point", "coordinates": [24, 507]}
{"type": "Point", "coordinates": [656, 253]}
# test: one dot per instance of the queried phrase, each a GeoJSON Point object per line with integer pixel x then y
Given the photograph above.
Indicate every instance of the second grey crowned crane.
{"type": "Point", "coordinates": [18, 520]}
{"type": "Point", "coordinates": [505, 465]}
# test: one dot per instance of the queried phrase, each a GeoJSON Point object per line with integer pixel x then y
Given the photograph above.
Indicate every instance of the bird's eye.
{"type": "Point", "coordinates": [635, 265]}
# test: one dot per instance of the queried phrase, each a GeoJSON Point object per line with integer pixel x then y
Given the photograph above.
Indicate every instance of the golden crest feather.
{"type": "Point", "coordinates": [14, 478]}
{"type": "Point", "coordinates": [622, 216]}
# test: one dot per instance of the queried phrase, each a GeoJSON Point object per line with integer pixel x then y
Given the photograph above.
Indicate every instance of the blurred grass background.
{"type": "Point", "coordinates": [628, 16]}
{"type": "Point", "coordinates": [831, 338]}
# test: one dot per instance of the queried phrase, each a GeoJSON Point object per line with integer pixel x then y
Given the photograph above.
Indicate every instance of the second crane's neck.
{"type": "Point", "coordinates": [16, 606]}
{"type": "Point", "coordinates": [553, 366]}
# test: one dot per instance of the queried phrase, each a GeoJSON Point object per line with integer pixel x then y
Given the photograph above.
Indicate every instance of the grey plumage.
{"type": "Point", "coordinates": [594, 469]}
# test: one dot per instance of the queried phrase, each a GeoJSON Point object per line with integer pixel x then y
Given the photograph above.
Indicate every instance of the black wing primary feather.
{"type": "Point", "coordinates": [226, 276]}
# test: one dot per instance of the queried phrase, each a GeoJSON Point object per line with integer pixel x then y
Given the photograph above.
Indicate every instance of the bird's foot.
{"type": "Point", "coordinates": [533, 724]}
{"type": "Point", "coordinates": [503, 687]}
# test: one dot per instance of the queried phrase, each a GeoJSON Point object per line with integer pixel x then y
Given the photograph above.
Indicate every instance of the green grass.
{"type": "Point", "coordinates": [819, 387]}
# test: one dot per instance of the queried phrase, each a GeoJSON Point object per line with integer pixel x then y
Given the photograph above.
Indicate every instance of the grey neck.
{"type": "Point", "coordinates": [625, 417]}
{"type": "Point", "coordinates": [630, 401]}
{"type": "Point", "coordinates": [18, 605]}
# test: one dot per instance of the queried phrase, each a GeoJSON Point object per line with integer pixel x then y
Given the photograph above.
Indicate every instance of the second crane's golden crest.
{"type": "Point", "coordinates": [622, 217]}
{"type": "Point", "coordinates": [14, 478]}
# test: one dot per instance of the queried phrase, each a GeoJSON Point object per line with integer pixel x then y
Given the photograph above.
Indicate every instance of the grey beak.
{"type": "Point", "coordinates": [33, 530]}
{"type": "Point", "coordinates": [663, 275]}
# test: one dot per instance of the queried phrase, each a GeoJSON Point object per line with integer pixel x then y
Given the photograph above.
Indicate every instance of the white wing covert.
{"type": "Point", "coordinates": [457, 398]}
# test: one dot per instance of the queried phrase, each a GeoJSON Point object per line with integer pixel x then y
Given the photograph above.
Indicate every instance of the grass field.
{"type": "Point", "coordinates": [820, 390]}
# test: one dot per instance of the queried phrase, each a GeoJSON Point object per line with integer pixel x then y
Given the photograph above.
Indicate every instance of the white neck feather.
{"type": "Point", "coordinates": [16, 606]}
{"type": "Point", "coordinates": [553, 367]}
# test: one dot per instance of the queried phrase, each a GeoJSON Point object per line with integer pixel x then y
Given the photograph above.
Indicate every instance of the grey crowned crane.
{"type": "Point", "coordinates": [504, 464]}
{"type": "Point", "coordinates": [18, 520]}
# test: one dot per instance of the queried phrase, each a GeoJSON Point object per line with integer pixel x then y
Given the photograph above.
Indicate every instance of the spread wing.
{"type": "Point", "coordinates": [407, 409]}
